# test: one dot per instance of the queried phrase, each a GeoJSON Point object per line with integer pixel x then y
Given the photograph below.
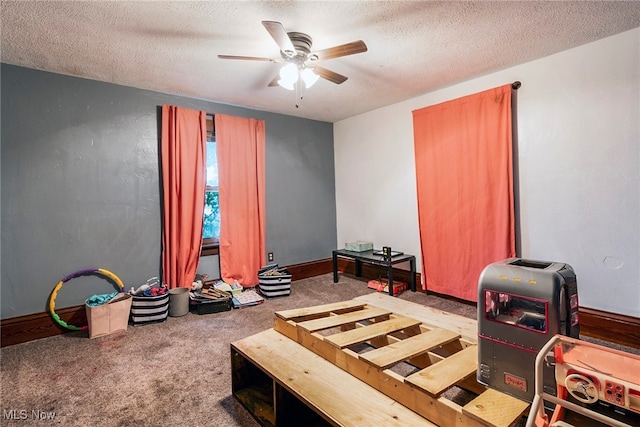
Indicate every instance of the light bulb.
{"type": "Point", "coordinates": [309, 77]}
{"type": "Point", "coordinates": [286, 84]}
{"type": "Point", "coordinates": [288, 76]}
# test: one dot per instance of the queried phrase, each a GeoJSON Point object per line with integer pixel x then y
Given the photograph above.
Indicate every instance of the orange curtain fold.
{"type": "Point", "coordinates": [464, 174]}
{"type": "Point", "coordinates": [183, 188]}
{"type": "Point", "coordinates": [240, 145]}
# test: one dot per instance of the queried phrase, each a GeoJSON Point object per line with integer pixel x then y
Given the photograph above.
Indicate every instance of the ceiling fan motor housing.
{"type": "Point", "coordinates": [302, 43]}
{"type": "Point", "coordinates": [295, 48]}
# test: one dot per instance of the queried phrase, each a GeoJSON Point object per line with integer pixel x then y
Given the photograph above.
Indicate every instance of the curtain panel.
{"type": "Point", "coordinates": [240, 147]}
{"type": "Point", "coordinates": [464, 179]}
{"type": "Point", "coordinates": [183, 183]}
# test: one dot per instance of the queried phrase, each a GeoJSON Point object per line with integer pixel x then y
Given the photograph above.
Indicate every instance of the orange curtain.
{"type": "Point", "coordinates": [183, 183]}
{"type": "Point", "coordinates": [464, 176]}
{"type": "Point", "coordinates": [240, 146]}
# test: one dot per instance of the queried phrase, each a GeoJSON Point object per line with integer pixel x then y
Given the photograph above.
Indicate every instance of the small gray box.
{"type": "Point", "coordinates": [359, 246]}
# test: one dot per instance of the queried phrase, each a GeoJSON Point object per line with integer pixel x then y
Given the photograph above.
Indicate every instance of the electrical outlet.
{"type": "Point", "coordinates": [270, 256]}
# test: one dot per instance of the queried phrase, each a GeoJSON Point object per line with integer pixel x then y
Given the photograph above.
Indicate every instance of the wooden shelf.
{"type": "Point", "coordinates": [253, 388]}
{"type": "Point", "coordinates": [307, 390]}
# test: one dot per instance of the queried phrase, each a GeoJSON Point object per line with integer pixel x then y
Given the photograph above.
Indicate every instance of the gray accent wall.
{"type": "Point", "coordinates": [81, 186]}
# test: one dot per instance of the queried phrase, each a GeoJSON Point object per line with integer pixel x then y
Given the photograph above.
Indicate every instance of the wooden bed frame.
{"type": "Point", "coordinates": [308, 369]}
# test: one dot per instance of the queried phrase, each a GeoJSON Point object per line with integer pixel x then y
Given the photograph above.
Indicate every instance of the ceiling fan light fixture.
{"type": "Point", "coordinates": [295, 52]}
{"type": "Point", "coordinates": [309, 77]}
{"type": "Point", "coordinates": [288, 76]}
{"type": "Point", "coordinates": [286, 84]}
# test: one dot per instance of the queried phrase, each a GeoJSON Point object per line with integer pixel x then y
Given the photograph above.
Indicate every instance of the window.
{"type": "Point", "coordinates": [211, 215]}
{"type": "Point", "coordinates": [516, 310]}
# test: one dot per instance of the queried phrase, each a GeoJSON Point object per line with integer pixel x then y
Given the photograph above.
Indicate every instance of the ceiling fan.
{"type": "Point", "coordinates": [299, 60]}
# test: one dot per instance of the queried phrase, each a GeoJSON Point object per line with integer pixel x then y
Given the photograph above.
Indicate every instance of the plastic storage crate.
{"type": "Point", "coordinates": [210, 301]}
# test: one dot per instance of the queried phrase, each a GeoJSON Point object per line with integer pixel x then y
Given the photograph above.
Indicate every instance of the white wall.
{"type": "Point", "coordinates": [578, 118]}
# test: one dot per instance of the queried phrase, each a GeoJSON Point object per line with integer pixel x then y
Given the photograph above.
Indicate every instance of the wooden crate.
{"type": "Point", "coordinates": [414, 363]}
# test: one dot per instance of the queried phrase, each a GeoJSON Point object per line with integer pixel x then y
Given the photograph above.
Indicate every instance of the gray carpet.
{"type": "Point", "coordinates": [175, 373]}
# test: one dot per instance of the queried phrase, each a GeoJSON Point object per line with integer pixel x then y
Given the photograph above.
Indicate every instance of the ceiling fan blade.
{"type": "Point", "coordinates": [280, 36]}
{"type": "Point", "coordinates": [274, 81]}
{"type": "Point", "coordinates": [342, 50]}
{"type": "Point", "coordinates": [248, 58]}
{"type": "Point", "coordinates": [332, 76]}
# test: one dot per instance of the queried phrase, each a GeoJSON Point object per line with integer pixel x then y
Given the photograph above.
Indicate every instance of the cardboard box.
{"type": "Point", "coordinates": [110, 317]}
{"type": "Point", "coordinates": [358, 246]}
{"type": "Point", "coordinates": [383, 286]}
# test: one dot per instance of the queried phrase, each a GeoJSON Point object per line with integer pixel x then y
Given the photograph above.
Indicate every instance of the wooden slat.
{"type": "Point", "coordinates": [440, 376]}
{"type": "Point", "coordinates": [358, 335]}
{"type": "Point", "coordinates": [416, 345]}
{"type": "Point", "coordinates": [339, 397]}
{"type": "Point", "coordinates": [495, 408]}
{"type": "Point", "coordinates": [431, 404]}
{"type": "Point", "coordinates": [342, 319]}
{"type": "Point", "coordinates": [433, 318]}
{"type": "Point", "coordinates": [326, 309]}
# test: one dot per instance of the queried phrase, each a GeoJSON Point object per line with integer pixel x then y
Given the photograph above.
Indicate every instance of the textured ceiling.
{"type": "Point", "coordinates": [414, 47]}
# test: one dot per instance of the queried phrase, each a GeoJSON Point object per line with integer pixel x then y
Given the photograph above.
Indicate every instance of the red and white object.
{"type": "Point", "coordinates": [597, 377]}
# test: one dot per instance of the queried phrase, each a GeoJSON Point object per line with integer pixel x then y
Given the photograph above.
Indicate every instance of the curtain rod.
{"type": "Point", "coordinates": [516, 85]}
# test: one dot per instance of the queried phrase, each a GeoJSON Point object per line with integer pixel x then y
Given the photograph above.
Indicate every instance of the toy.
{"type": "Point", "coordinates": [593, 381]}
{"type": "Point", "coordinates": [56, 289]}
{"type": "Point", "coordinates": [198, 282]}
{"type": "Point", "coordinates": [521, 304]}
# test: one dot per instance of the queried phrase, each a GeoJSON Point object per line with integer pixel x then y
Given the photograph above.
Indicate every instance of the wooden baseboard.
{"type": "Point", "coordinates": [310, 269]}
{"type": "Point", "coordinates": [616, 328]}
{"type": "Point", "coordinates": [31, 327]}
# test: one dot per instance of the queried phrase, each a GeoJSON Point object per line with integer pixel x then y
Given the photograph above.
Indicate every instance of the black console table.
{"type": "Point", "coordinates": [369, 258]}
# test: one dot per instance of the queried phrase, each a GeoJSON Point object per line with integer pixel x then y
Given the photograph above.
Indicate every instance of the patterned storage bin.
{"type": "Point", "coordinates": [274, 281]}
{"type": "Point", "coordinates": [147, 308]}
